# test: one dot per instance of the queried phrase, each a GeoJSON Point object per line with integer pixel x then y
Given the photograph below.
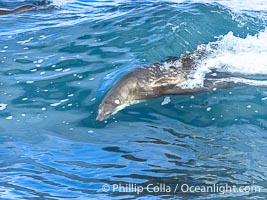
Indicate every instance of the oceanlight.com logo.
{"type": "Point", "coordinates": [180, 188]}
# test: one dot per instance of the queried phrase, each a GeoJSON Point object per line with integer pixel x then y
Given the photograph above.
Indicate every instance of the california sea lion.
{"type": "Point", "coordinates": [175, 76]}
{"type": "Point", "coordinates": [147, 82]}
{"type": "Point", "coordinates": [20, 9]}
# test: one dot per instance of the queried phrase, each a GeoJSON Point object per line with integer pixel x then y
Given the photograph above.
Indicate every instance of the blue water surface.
{"type": "Point", "coordinates": [55, 67]}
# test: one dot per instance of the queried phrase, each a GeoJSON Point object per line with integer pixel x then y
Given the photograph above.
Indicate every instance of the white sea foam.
{"type": "Point", "coordinates": [3, 106]}
{"type": "Point", "coordinates": [166, 100]}
{"type": "Point", "coordinates": [61, 2]}
{"type": "Point", "coordinates": [247, 56]}
{"type": "Point", "coordinates": [234, 4]}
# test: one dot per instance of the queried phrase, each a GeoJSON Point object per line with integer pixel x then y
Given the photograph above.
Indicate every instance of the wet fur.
{"type": "Point", "coordinates": [149, 81]}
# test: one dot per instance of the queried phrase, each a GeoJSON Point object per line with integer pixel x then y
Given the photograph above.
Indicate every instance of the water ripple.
{"type": "Point", "coordinates": [56, 66]}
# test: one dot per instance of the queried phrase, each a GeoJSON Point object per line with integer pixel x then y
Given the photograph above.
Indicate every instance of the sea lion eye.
{"type": "Point", "coordinates": [117, 101]}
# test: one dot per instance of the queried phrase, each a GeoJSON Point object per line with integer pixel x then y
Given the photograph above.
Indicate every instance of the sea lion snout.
{"type": "Point", "coordinates": [117, 98]}
{"type": "Point", "coordinates": [101, 114]}
{"type": "Point", "coordinates": [104, 111]}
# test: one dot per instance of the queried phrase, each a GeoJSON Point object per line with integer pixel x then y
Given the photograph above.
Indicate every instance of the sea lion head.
{"type": "Point", "coordinates": [135, 86]}
{"type": "Point", "coordinates": [110, 105]}
{"type": "Point", "coordinates": [118, 97]}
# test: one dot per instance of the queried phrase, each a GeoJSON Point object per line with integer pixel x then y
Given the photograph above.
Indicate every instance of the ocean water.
{"type": "Point", "coordinates": [57, 64]}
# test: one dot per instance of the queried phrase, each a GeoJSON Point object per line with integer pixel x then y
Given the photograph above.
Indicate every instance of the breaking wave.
{"type": "Point", "coordinates": [235, 56]}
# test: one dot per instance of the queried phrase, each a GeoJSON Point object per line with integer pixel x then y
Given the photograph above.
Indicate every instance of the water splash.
{"type": "Point", "coordinates": [235, 4]}
{"type": "Point", "coordinates": [60, 3]}
{"type": "Point", "coordinates": [232, 55]}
